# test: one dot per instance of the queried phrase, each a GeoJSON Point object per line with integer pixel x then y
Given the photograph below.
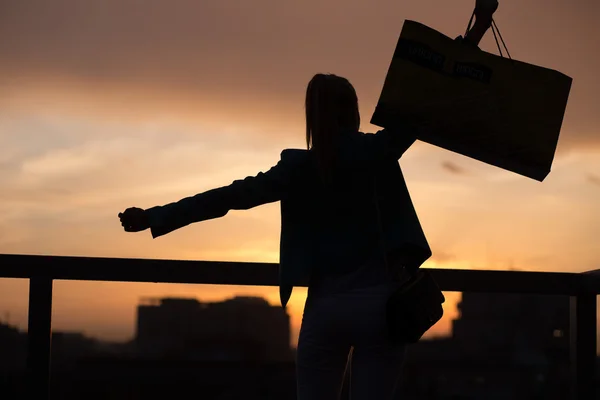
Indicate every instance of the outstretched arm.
{"type": "Point", "coordinates": [242, 194]}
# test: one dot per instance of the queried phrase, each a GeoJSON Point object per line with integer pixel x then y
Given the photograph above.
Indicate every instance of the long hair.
{"type": "Point", "coordinates": [331, 108]}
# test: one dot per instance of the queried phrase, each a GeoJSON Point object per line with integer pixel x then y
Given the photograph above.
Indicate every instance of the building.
{"type": "Point", "coordinates": [503, 346]}
{"type": "Point", "coordinates": [241, 328]}
{"type": "Point", "coordinates": [13, 348]}
{"type": "Point", "coordinates": [518, 328]}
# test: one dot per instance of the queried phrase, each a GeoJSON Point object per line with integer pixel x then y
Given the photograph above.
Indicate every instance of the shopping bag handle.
{"type": "Point", "coordinates": [483, 14]}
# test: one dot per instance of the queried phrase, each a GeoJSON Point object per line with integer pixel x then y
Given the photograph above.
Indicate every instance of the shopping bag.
{"type": "Point", "coordinates": [500, 111]}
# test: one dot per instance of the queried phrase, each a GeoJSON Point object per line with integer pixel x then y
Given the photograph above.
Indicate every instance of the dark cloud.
{"type": "Point", "coordinates": [593, 179]}
{"type": "Point", "coordinates": [454, 168]}
{"type": "Point", "coordinates": [238, 53]}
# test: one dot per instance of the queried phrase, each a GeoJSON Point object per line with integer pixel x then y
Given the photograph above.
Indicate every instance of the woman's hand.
{"type": "Point", "coordinates": [134, 220]}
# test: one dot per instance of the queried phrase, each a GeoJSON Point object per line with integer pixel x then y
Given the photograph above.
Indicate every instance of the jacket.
{"type": "Point", "coordinates": [326, 226]}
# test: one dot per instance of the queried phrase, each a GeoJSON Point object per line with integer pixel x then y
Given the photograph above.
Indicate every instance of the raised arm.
{"type": "Point", "coordinates": [386, 144]}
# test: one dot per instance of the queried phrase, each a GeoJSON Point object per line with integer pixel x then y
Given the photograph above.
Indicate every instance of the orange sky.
{"type": "Point", "coordinates": [114, 103]}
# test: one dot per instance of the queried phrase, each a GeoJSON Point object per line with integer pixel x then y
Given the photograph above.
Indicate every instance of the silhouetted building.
{"type": "Point", "coordinates": [69, 346]}
{"type": "Point", "coordinates": [13, 347]}
{"type": "Point", "coordinates": [520, 328]}
{"type": "Point", "coordinates": [503, 346]}
{"type": "Point", "coordinates": [242, 328]}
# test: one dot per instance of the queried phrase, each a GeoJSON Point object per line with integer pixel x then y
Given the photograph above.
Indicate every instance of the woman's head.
{"type": "Point", "coordinates": [331, 108]}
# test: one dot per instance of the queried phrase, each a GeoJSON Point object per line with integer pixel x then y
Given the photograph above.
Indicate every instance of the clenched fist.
{"type": "Point", "coordinates": [134, 220]}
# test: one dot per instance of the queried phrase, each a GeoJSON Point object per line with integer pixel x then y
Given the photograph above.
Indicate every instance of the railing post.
{"type": "Point", "coordinates": [583, 346]}
{"type": "Point", "coordinates": [39, 336]}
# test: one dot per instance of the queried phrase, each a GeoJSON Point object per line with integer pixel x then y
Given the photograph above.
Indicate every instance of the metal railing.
{"type": "Point", "coordinates": [43, 270]}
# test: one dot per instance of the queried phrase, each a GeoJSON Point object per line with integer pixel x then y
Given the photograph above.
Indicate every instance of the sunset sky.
{"type": "Point", "coordinates": [107, 104]}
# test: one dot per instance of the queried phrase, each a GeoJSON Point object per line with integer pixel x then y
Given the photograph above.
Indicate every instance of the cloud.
{"type": "Point", "coordinates": [245, 61]}
{"type": "Point", "coordinates": [453, 168]}
{"type": "Point", "coordinates": [130, 165]}
{"type": "Point", "coordinates": [593, 179]}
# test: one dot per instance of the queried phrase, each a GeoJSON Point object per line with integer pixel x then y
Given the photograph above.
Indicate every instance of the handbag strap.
{"type": "Point", "coordinates": [495, 29]}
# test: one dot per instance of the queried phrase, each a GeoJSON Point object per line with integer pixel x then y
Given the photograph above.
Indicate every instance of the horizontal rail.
{"type": "Point", "coordinates": [266, 274]}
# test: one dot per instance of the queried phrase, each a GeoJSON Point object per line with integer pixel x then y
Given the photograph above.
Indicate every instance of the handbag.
{"type": "Point", "coordinates": [415, 305]}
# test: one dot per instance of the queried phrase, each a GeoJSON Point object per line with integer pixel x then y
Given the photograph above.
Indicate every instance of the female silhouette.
{"type": "Point", "coordinates": [348, 230]}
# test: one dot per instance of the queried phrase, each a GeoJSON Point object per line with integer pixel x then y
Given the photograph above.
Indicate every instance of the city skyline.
{"type": "Point", "coordinates": [520, 356]}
